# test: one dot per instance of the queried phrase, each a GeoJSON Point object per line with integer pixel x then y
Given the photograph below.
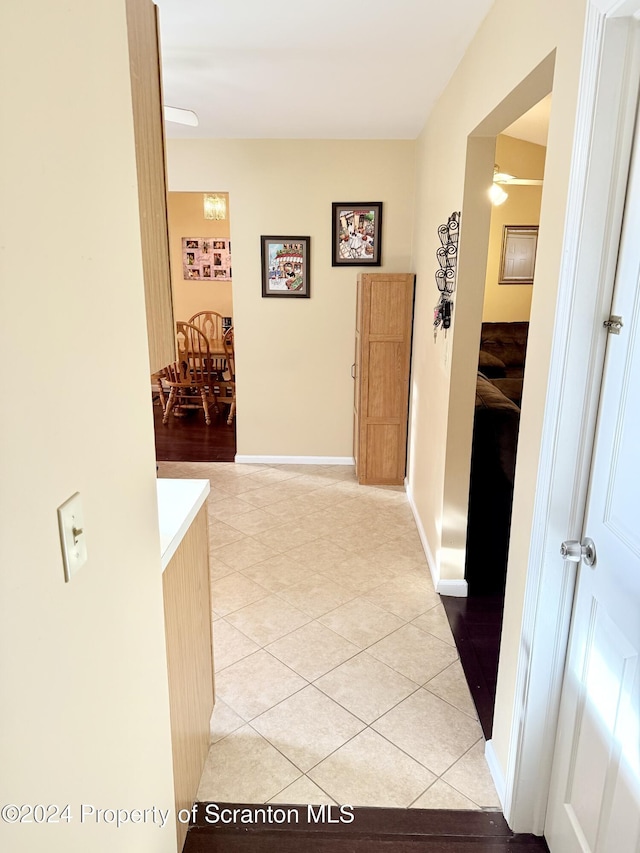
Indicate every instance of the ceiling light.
{"type": "Point", "coordinates": [497, 195]}
{"type": "Point", "coordinates": [215, 207]}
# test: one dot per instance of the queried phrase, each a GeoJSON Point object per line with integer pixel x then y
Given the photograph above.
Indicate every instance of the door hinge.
{"type": "Point", "coordinates": [613, 324]}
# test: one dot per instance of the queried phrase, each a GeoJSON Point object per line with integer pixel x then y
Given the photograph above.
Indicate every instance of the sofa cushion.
{"type": "Point", "coordinates": [495, 428]}
{"type": "Point", "coordinates": [488, 396]}
{"type": "Point", "coordinates": [511, 387]}
{"type": "Point", "coordinates": [507, 342]}
{"type": "Point", "coordinates": [490, 365]}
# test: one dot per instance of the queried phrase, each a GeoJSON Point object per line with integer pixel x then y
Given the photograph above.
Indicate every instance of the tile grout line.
{"type": "Point", "coordinates": [384, 505]}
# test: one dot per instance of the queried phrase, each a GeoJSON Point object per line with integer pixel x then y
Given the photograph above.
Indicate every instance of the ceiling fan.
{"type": "Point", "coordinates": [497, 194]}
{"type": "Point", "coordinates": [180, 116]}
{"type": "Point", "coordinates": [504, 178]}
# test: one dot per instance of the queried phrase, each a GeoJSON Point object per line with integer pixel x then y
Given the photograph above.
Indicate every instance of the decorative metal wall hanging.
{"type": "Point", "coordinates": [447, 256]}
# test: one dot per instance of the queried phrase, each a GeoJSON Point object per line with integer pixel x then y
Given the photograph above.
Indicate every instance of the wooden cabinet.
{"type": "Point", "coordinates": [148, 125]}
{"type": "Point", "coordinates": [384, 317]}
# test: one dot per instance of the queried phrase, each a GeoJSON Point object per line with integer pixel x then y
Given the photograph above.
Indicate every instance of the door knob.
{"type": "Point", "coordinates": [575, 551]}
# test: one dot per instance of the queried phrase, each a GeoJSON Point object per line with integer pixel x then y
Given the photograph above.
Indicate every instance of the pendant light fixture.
{"type": "Point", "coordinates": [215, 206]}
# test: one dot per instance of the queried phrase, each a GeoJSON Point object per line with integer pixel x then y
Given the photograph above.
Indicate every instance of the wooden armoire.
{"type": "Point", "coordinates": [384, 318]}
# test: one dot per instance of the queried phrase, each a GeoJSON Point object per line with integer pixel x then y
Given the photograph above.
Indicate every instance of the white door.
{"type": "Point", "coordinates": [594, 800]}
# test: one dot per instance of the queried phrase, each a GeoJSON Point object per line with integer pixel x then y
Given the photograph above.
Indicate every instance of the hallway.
{"type": "Point", "coordinates": [337, 678]}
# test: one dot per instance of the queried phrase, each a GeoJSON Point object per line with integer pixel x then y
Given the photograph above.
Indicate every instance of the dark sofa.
{"type": "Point", "coordinates": [503, 348]}
{"type": "Point", "coordinates": [493, 455]}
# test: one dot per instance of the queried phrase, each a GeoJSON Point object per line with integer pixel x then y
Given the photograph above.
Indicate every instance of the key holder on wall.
{"type": "Point", "coordinates": [447, 256]}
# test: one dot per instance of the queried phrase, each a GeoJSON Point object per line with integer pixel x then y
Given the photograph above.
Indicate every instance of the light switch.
{"type": "Point", "coordinates": [72, 535]}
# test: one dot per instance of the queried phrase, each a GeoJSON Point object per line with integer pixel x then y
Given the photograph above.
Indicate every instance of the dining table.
{"type": "Point", "coordinates": [218, 355]}
{"type": "Point", "coordinates": [216, 347]}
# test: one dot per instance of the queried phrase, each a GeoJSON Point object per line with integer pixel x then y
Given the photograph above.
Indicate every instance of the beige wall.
{"type": "Point", "coordinates": [444, 372]}
{"type": "Point", "coordinates": [82, 665]}
{"type": "Point", "coordinates": [293, 357]}
{"type": "Point", "coordinates": [512, 302]}
{"type": "Point", "coordinates": [186, 219]}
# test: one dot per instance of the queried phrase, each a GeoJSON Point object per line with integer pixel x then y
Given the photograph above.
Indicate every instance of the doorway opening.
{"type": "Point", "coordinates": [503, 317]}
{"type": "Point", "coordinates": [201, 425]}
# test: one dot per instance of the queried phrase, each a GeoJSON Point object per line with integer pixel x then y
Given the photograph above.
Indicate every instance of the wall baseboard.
{"type": "Point", "coordinates": [496, 771]}
{"type": "Point", "coordinates": [243, 459]}
{"type": "Point", "coordinates": [421, 533]}
{"type": "Point", "coordinates": [457, 588]}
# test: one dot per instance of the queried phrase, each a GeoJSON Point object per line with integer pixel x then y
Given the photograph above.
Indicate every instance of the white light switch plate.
{"type": "Point", "coordinates": [72, 535]}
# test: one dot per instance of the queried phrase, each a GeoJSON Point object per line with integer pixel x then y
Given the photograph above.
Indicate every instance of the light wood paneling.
{"type": "Point", "coordinates": [355, 370]}
{"type": "Point", "coordinates": [387, 314]}
{"type": "Point", "coordinates": [386, 386]}
{"type": "Point", "coordinates": [146, 95]}
{"type": "Point", "coordinates": [384, 447]}
{"type": "Point", "coordinates": [187, 612]}
{"type": "Point", "coordinates": [383, 355]}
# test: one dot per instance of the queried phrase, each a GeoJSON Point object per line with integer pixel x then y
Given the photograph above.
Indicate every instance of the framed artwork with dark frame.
{"type": "Point", "coordinates": [356, 234]}
{"type": "Point", "coordinates": [518, 258]}
{"type": "Point", "coordinates": [286, 263]}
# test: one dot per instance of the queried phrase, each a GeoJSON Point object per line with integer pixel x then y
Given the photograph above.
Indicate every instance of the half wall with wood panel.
{"type": "Point", "coordinates": [187, 611]}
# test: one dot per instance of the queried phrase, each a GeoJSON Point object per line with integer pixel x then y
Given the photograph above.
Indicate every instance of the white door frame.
{"type": "Point", "coordinates": [599, 170]}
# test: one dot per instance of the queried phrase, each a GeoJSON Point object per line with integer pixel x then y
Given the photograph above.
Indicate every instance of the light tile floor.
{"type": "Point", "coordinates": [337, 678]}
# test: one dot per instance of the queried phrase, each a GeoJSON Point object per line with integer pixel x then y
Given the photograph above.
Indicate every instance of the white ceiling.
{"type": "Point", "coordinates": [533, 126]}
{"type": "Point", "coordinates": [331, 69]}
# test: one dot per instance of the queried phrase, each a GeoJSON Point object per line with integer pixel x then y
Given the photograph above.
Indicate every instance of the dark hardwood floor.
{"type": "Point", "coordinates": [189, 439]}
{"type": "Point", "coordinates": [476, 623]}
{"type": "Point", "coordinates": [373, 830]}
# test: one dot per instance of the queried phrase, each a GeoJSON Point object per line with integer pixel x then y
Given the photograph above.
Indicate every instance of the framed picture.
{"type": "Point", "coordinates": [206, 259]}
{"type": "Point", "coordinates": [518, 259]}
{"type": "Point", "coordinates": [356, 234]}
{"type": "Point", "coordinates": [285, 266]}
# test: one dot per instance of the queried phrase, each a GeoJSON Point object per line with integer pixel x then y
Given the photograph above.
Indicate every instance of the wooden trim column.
{"type": "Point", "coordinates": [148, 123]}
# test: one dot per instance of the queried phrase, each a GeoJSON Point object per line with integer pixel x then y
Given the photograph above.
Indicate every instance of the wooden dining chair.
{"type": "Point", "coordinates": [225, 391]}
{"type": "Point", "coordinates": [209, 323]}
{"type": "Point", "coordinates": [191, 376]}
{"type": "Point", "coordinates": [211, 326]}
{"type": "Point", "coordinates": [158, 390]}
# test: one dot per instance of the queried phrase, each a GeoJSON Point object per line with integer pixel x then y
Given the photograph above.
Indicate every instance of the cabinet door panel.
{"type": "Point", "coordinates": [387, 314]}
{"type": "Point", "coordinates": [386, 385]}
{"type": "Point", "coordinates": [384, 453]}
{"type": "Point", "coordinates": [356, 401]}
